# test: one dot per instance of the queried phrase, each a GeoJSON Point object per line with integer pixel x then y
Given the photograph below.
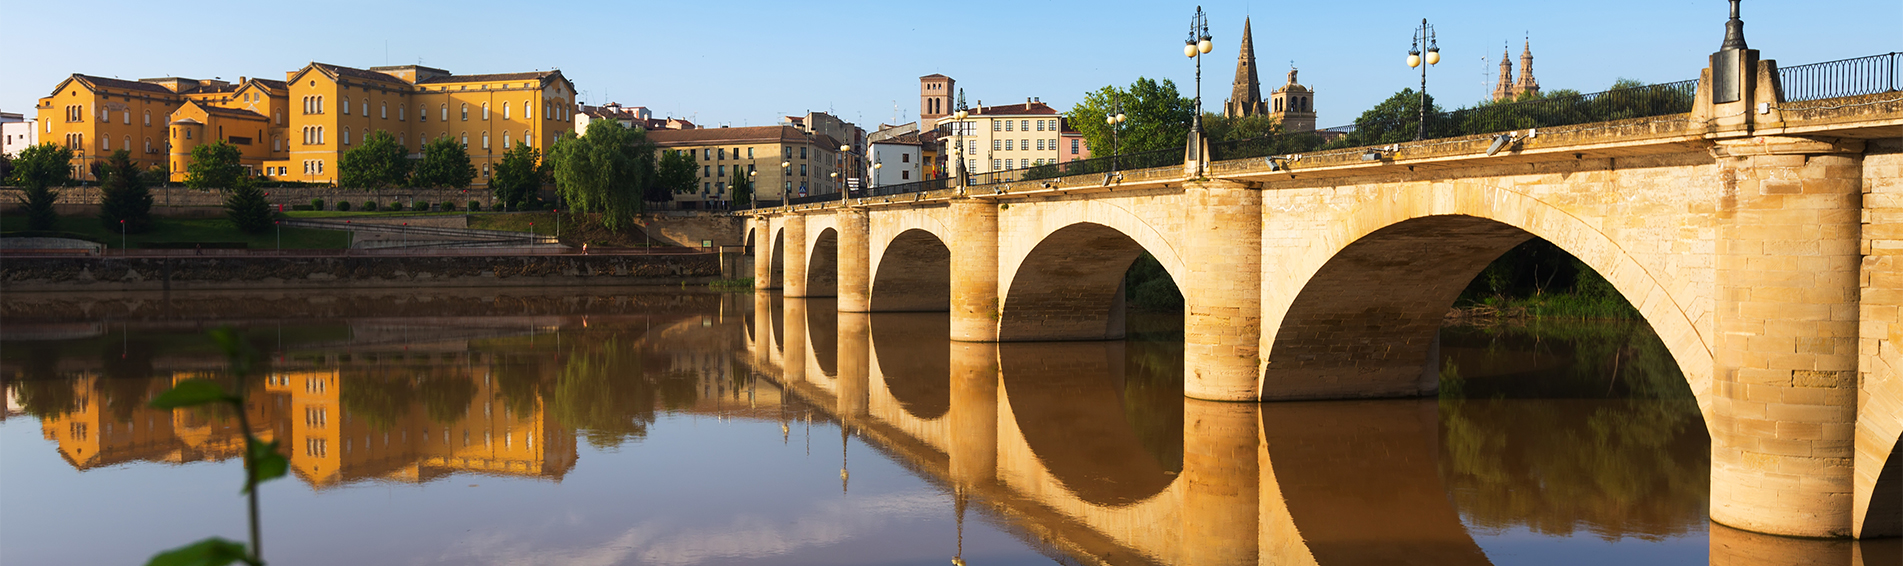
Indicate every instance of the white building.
{"type": "Point", "coordinates": [898, 159]}
{"type": "Point", "coordinates": [17, 132]}
{"type": "Point", "coordinates": [1001, 138]}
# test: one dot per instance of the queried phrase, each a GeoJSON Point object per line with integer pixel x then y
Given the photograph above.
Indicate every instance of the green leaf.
{"type": "Point", "coordinates": [191, 393]}
{"type": "Point", "coordinates": [209, 552]}
{"type": "Point", "coordinates": [267, 463]}
{"type": "Point", "coordinates": [237, 349]}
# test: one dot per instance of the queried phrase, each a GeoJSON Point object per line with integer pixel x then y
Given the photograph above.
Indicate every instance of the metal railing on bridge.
{"type": "Point", "coordinates": [1858, 76]}
{"type": "Point", "coordinates": [1094, 165]}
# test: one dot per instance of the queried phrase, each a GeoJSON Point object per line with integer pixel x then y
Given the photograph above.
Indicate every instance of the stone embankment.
{"type": "Point", "coordinates": [67, 274]}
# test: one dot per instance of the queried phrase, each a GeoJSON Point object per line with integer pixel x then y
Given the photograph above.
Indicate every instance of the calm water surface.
{"type": "Point", "coordinates": [617, 427]}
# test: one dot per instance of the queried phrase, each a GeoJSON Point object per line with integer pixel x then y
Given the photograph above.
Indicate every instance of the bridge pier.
{"type": "Point", "coordinates": [974, 270]}
{"type": "Point", "coordinates": [855, 261]}
{"type": "Point", "coordinates": [1785, 375]}
{"type": "Point", "coordinates": [762, 242]}
{"type": "Point", "coordinates": [793, 273]}
{"type": "Point", "coordinates": [1222, 328]}
{"type": "Point", "coordinates": [793, 357]}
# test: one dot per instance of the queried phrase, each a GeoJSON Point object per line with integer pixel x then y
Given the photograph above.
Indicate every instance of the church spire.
{"type": "Point", "coordinates": [1503, 90]}
{"type": "Point", "coordinates": [1527, 84]}
{"type": "Point", "coordinates": [1245, 98]}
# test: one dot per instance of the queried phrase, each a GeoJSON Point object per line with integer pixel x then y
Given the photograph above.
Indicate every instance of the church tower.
{"type": "Point", "coordinates": [934, 99]}
{"type": "Point", "coordinates": [1527, 84]}
{"type": "Point", "coordinates": [1293, 106]}
{"type": "Point", "coordinates": [1503, 90]}
{"type": "Point", "coordinates": [1245, 99]}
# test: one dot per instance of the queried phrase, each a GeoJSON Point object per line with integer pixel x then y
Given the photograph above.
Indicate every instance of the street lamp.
{"type": "Point", "coordinates": [958, 128]}
{"type": "Point", "coordinates": [876, 165]}
{"type": "Point", "coordinates": [1424, 34]}
{"type": "Point", "coordinates": [845, 158]}
{"type": "Point", "coordinates": [122, 237]}
{"type": "Point", "coordinates": [1114, 119]}
{"type": "Point", "coordinates": [1195, 47]}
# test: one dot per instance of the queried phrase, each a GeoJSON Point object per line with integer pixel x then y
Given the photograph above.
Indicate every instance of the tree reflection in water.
{"type": "Point", "coordinates": [1563, 427]}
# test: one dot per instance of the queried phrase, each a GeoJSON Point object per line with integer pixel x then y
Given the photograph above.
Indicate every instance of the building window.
{"type": "Point", "coordinates": [720, 171]}
{"type": "Point", "coordinates": [346, 136]}
{"type": "Point", "coordinates": [346, 106]}
{"type": "Point", "coordinates": [465, 140]}
{"type": "Point", "coordinates": [485, 140]}
{"type": "Point", "coordinates": [706, 154]}
{"type": "Point", "coordinates": [802, 169]}
{"type": "Point", "coordinates": [505, 115]}
{"type": "Point", "coordinates": [505, 140]}
{"type": "Point", "coordinates": [485, 170]}
{"type": "Point", "coordinates": [383, 110]}
{"type": "Point", "coordinates": [485, 111]}
{"type": "Point", "coordinates": [528, 110]}
{"type": "Point", "coordinates": [749, 155]}
{"type": "Point", "coordinates": [148, 145]}
{"type": "Point", "coordinates": [997, 126]}
{"type": "Point", "coordinates": [789, 152]}
{"type": "Point", "coordinates": [905, 175]}
{"type": "Point", "coordinates": [1073, 147]}
{"type": "Point", "coordinates": [706, 170]}
{"type": "Point", "coordinates": [445, 112]}
{"type": "Point", "coordinates": [527, 136]}
{"type": "Point", "coordinates": [148, 117]}
{"type": "Point", "coordinates": [996, 144]}
{"type": "Point", "coordinates": [905, 158]}
{"type": "Point", "coordinates": [105, 142]}
{"type": "Point", "coordinates": [994, 165]}
{"type": "Point", "coordinates": [465, 112]}
{"type": "Point", "coordinates": [802, 152]}
{"type": "Point", "coordinates": [974, 147]}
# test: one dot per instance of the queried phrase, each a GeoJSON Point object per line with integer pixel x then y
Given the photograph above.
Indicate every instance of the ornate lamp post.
{"type": "Point", "coordinates": [1113, 120]}
{"type": "Point", "coordinates": [958, 130]}
{"type": "Point", "coordinates": [845, 159]}
{"type": "Point", "coordinates": [1423, 35]}
{"type": "Point", "coordinates": [1195, 47]}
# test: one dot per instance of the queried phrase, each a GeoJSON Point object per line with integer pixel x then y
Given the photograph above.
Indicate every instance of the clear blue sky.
{"type": "Point", "coordinates": [747, 63]}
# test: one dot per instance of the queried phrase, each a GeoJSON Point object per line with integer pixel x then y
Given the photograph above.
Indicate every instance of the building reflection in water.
{"type": "Point", "coordinates": [1085, 449]}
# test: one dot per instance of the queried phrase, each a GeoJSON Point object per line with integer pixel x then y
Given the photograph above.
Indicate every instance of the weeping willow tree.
{"type": "Point", "coordinates": [605, 171]}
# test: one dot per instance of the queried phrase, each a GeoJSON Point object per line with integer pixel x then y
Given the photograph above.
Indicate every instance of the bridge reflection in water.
{"type": "Point", "coordinates": [1088, 449]}
{"type": "Point", "coordinates": [1091, 448]}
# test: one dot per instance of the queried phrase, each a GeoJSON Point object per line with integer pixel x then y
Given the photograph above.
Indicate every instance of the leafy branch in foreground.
{"type": "Point", "coordinates": [262, 462]}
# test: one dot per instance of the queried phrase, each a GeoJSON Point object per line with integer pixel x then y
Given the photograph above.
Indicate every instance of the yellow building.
{"type": "Point", "coordinates": [297, 129]}
{"type": "Point", "coordinates": [1000, 138]}
{"type": "Point", "coordinates": [788, 162]}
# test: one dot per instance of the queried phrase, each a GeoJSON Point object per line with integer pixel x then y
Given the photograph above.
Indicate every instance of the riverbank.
{"type": "Point", "coordinates": [86, 274]}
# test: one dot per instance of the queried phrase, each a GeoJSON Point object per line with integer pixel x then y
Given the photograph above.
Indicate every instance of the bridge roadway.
{"type": "Point", "coordinates": [1763, 242]}
{"type": "Point", "coordinates": [1036, 435]}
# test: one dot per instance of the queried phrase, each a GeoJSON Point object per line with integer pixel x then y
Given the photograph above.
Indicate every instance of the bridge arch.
{"type": "Point", "coordinates": [1069, 401]}
{"type": "Point", "coordinates": [1417, 253]}
{"type": "Point", "coordinates": [1878, 508]}
{"type": "Point", "coordinates": [822, 264]}
{"type": "Point", "coordinates": [1069, 284]}
{"type": "Point", "coordinates": [776, 267]}
{"type": "Point", "coordinates": [912, 274]}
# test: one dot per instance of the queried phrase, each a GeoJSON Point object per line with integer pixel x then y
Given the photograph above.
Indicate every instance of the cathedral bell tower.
{"type": "Point", "coordinates": [1293, 106]}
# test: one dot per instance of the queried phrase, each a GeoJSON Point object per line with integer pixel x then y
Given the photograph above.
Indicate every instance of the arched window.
{"type": "Point", "coordinates": [127, 140]}
{"type": "Point", "coordinates": [148, 145]}
{"type": "Point", "coordinates": [320, 135]}
{"type": "Point", "coordinates": [505, 110]}
{"type": "Point", "coordinates": [422, 113]}
{"type": "Point", "coordinates": [366, 107]}
{"type": "Point", "coordinates": [402, 112]}
{"type": "Point", "coordinates": [527, 137]}
{"type": "Point", "coordinates": [505, 136]}
{"type": "Point", "coordinates": [148, 117]}
{"type": "Point", "coordinates": [320, 104]}
{"type": "Point", "coordinates": [346, 135]}
{"type": "Point", "coordinates": [277, 144]}
{"type": "Point", "coordinates": [485, 140]}
{"type": "Point", "coordinates": [485, 111]}
{"type": "Point", "coordinates": [465, 140]}
{"type": "Point", "coordinates": [127, 115]}
{"type": "Point", "coordinates": [403, 139]}
{"type": "Point", "coordinates": [346, 106]}
{"type": "Point", "coordinates": [445, 112]}
{"type": "Point", "coordinates": [383, 110]}
{"type": "Point", "coordinates": [105, 142]}
{"type": "Point", "coordinates": [528, 110]}
{"type": "Point", "coordinates": [465, 112]}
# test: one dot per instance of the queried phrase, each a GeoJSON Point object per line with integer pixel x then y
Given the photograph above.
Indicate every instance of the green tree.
{"type": "Point", "coordinates": [379, 162]}
{"type": "Point", "coordinates": [678, 172]}
{"type": "Point", "coordinates": [606, 170]}
{"type": "Point", "coordinates": [518, 176]}
{"type": "Point", "coordinates": [741, 190]}
{"type": "Point", "coordinates": [1158, 117]}
{"type": "Point", "coordinates": [247, 208]}
{"type": "Point", "coordinates": [214, 166]}
{"type": "Point", "coordinates": [1397, 120]}
{"type": "Point", "coordinates": [123, 197]}
{"type": "Point", "coordinates": [445, 164]}
{"type": "Point", "coordinates": [37, 170]}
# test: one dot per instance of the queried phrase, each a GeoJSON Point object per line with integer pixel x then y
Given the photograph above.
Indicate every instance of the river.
{"type": "Point", "coordinates": [605, 426]}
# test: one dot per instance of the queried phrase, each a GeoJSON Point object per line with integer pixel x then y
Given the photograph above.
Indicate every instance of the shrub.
{"type": "Point", "coordinates": [343, 206]}
{"type": "Point", "coordinates": [449, 205]}
{"type": "Point", "coordinates": [396, 206]}
{"type": "Point", "coordinates": [300, 207]}
{"type": "Point", "coordinates": [475, 206]}
{"type": "Point", "coordinates": [317, 204]}
{"type": "Point", "coordinates": [369, 206]}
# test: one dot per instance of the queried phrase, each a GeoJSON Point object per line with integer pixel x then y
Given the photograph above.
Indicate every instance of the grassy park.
{"type": "Point", "coordinates": [181, 232]}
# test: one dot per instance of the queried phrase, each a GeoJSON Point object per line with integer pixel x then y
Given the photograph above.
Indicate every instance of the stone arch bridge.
{"type": "Point", "coordinates": [1763, 242]}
